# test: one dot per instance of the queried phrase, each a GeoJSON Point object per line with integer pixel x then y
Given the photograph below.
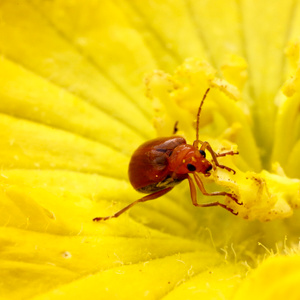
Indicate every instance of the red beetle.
{"type": "Point", "coordinates": [160, 164]}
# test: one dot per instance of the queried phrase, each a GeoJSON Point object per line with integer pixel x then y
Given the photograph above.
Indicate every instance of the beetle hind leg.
{"type": "Point", "coordinates": [144, 199]}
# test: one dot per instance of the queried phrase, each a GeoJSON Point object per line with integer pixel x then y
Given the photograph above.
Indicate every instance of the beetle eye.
{"type": "Point", "coordinates": [202, 153]}
{"type": "Point", "coordinates": [191, 167]}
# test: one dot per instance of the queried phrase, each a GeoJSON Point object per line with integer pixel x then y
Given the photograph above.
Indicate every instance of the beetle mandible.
{"type": "Point", "coordinates": [160, 164]}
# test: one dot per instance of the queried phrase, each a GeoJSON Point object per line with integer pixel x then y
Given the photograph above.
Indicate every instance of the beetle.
{"type": "Point", "coordinates": [160, 164]}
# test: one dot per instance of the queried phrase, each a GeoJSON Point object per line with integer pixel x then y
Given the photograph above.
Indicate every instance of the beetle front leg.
{"type": "Point", "coordinates": [231, 152]}
{"type": "Point", "coordinates": [206, 145]}
{"type": "Point", "coordinates": [204, 192]}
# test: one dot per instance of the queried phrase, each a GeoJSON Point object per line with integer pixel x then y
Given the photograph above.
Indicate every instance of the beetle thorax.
{"type": "Point", "coordinates": [187, 159]}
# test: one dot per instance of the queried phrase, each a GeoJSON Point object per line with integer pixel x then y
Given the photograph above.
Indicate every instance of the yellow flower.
{"type": "Point", "coordinates": [72, 111]}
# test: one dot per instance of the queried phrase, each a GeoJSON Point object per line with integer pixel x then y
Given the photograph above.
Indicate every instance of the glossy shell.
{"type": "Point", "coordinates": [149, 166]}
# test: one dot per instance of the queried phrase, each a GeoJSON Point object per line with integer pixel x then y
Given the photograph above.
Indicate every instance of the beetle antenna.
{"type": "Point", "coordinates": [196, 143]}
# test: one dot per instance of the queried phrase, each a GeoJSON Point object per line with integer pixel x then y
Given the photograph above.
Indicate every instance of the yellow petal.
{"type": "Point", "coordinates": [74, 71]}
{"type": "Point", "coordinates": [276, 278]}
{"type": "Point", "coordinates": [73, 109]}
{"type": "Point", "coordinates": [27, 95]}
{"type": "Point", "coordinates": [160, 277]}
{"type": "Point", "coordinates": [54, 148]}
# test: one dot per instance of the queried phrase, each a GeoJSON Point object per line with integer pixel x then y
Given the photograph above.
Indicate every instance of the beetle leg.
{"type": "Point", "coordinates": [175, 129]}
{"type": "Point", "coordinates": [227, 153]}
{"type": "Point", "coordinates": [193, 190]}
{"type": "Point", "coordinates": [206, 145]}
{"type": "Point", "coordinates": [197, 142]}
{"type": "Point", "coordinates": [144, 199]}
{"type": "Point", "coordinates": [204, 192]}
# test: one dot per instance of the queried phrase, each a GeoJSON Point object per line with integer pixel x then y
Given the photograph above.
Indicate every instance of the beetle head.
{"type": "Point", "coordinates": [188, 159]}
